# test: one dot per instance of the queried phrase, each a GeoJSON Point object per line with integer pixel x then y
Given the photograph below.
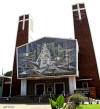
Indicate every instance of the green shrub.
{"type": "Point", "coordinates": [52, 97]}
{"type": "Point", "coordinates": [58, 103]}
{"type": "Point", "coordinates": [76, 99]}
{"type": "Point", "coordinates": [53, 104]}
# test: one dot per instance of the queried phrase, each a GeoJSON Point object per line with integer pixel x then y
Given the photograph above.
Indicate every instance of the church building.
{"type": "Point", "coordinates": [54, 65]}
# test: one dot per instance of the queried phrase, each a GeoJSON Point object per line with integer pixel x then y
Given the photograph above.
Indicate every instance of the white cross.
{"type": "Point", "coordinates": [23, 20]}
{"type": "Point", "coordinates": [79, 11]}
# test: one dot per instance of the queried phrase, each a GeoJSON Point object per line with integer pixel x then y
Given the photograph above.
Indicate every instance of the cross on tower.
{"type": "Point", "coordinates": [23, 20]}
{"type": "Point", "coordinates": [79, 11]}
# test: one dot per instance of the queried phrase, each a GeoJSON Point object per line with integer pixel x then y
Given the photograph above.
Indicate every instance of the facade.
{"type": "Point", "coordinates": [30, 85]}
{"type": "Point", "coordinates": [47, 66]}
{"type": "Point", "coordinates": [50, 65]}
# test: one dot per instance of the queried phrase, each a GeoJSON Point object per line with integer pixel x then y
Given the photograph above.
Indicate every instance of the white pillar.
{"type": "Point", "coordinates": [72, 84]}
{"type": "Point", "coordinates": [23, 87]}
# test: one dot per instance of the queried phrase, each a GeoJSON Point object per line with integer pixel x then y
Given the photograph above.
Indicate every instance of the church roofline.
{"type": "Point", "coordinates": [5, 76]}
{"type": "Point", "coordinates": [47, 77]}
{"type": "Point", "coordinates": [46, 37]}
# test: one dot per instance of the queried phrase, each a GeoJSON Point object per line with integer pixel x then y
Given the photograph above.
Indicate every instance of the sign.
{"type": "Point", "coordinates": [83, 92]}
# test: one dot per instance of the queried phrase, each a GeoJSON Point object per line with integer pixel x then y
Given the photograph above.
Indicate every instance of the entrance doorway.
{"type": "Point", "coordinates": [59, 88]}
{"type": "Point", "coordinates": [40, 89]}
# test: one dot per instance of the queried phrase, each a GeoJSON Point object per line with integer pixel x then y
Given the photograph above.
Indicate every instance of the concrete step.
{"type": "Point", "coordinates": [28, 99]}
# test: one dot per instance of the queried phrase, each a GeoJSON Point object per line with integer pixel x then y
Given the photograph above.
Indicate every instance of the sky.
{"type": "Point", "coordinates": [50, 18]}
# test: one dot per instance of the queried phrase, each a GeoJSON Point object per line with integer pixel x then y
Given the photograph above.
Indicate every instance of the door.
{"type": "Point", "coordinates": [6, 90]}
{"type": "Point", "coordinates": [0, 91]}
{"type": "Point", "coordinates": [59, 88]}
{"type": "Point", "coordinates": [40, 89]}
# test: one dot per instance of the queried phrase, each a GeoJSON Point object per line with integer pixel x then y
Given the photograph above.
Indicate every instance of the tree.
{"type": "Point", "coordinates": [9, 73]}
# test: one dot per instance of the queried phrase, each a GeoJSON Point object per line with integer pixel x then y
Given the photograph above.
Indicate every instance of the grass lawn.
{"type": "Point", "coordinates": [89, 106]}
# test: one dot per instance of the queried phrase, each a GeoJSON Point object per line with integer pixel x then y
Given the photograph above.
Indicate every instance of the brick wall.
{"type": "Point", "coordinates": [87, 61]}
{"type": "Point", "coordinates": [22, 38]}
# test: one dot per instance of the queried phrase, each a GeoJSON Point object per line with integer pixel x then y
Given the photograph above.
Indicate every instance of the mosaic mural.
{"type": "Point", "coordinates": [47, 57]}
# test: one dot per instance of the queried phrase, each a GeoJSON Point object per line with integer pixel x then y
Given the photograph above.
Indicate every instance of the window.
{"type": "Point", "coordinates": [85, 84]}
{"type": "Point", "coordinates": [49, 89]}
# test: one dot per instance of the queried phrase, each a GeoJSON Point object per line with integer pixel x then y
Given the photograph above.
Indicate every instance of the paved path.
{"type": "Point", "coordinates": [24, 106]}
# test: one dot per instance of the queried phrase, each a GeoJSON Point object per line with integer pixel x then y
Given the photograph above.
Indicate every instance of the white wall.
{"type": "Point", "coordinates": [72, 84]}
{"type": "Point", "coordinates": [23, 87]}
